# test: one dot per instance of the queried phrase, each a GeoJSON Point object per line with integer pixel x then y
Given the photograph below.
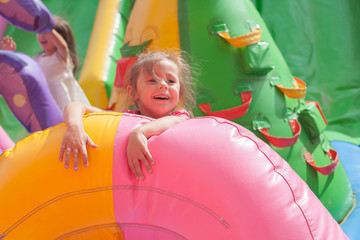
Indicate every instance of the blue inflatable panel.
{"type": "Point", "coordinates": [349, 154]}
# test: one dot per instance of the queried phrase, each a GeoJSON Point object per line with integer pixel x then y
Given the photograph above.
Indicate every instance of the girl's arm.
{"type": "Point", "coordinates": [75, 138]}
{"type": "Point", "coordinates": [137, 148]}
{"type": "Point", "coordinates": [60, 44]}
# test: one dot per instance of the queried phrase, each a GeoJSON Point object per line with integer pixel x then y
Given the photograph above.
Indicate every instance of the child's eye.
{"type": "Point", "coordinates": [152, 81]}
{"type": "Point", "coordinates": [171, 81]}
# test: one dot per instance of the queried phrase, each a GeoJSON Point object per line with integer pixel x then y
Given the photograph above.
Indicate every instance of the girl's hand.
{"type": "Point", "coordinates": [7, 43]}
{"type": "Point", "coordinates": [136, 151]}
{"type": "Point", "coordinates": [75, 140]}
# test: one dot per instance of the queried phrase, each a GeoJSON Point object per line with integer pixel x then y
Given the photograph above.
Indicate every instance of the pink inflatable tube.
{"type": "Point", "coordinates": [212, 179]}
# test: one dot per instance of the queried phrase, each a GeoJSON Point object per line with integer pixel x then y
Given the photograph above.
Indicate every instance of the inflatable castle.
{"type": "Point", "coordinates": [260, 167]}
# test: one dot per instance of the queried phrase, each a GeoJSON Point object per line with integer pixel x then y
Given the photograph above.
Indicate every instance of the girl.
{"type": "Point", "coordinates": [157, 81]}
{"type": "Point", "coordinates": [58, 61]}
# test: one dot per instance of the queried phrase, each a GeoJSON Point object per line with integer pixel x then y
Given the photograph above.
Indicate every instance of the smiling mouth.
{"type": "Point", "coordinates": [161, 97]}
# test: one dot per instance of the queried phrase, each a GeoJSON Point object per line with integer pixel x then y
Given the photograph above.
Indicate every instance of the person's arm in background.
{"type": "Point", "coordinates": [61, 45]}
{"type": "Point", "coordinates": [7, 43]}
{"type": "Point", "coordinates": [75, 138]}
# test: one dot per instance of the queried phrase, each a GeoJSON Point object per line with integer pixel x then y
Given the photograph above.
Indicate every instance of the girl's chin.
{"type": "Point", "coordinates": [159, 114]}
{"type": "Point", "coordinates": [49, 51]}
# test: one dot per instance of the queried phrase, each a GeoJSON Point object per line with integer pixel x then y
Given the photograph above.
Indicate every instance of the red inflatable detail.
{"type": "Point", "coordinates": [325, 170]}
{"type": "Point", "coordinates": [231, 113]}
{"type": "Point", "coordinates": [282, 142]}
{"type": "Point", "coordinates": [122, 67]}
{"type": "Point", "coordinates": [318, 107]}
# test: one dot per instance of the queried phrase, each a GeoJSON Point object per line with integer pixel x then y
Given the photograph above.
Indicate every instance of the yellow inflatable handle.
{"type": "Point", "coordinates": [243, 40]}
{"type": "Point", "coordinates": [297, 92]}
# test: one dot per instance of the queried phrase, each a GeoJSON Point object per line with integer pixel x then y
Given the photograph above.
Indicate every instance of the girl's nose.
{"type": "Point", "coordinates": [162, 84]}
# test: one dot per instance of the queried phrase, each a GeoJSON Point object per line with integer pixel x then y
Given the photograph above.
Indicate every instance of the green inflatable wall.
{"type": "Point", "coordinates": [318, 40]}
{"type": "Point", "coordinates": [227, 71]}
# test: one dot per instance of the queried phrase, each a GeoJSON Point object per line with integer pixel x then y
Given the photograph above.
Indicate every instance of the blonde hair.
{"type": "Point", "coordinates": [146, 62]}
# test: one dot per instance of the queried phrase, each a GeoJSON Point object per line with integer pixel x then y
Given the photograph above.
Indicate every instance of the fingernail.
{"type": "Point", "coordinates": [75, 168]}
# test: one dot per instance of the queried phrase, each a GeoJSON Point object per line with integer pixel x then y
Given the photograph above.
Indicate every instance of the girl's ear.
{"type": "Point", "coordinates": [130, 91]}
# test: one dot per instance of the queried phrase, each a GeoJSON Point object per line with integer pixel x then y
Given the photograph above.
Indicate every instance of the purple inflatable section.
{"type": "Point", "coordinates": [28, 15]}
{"type": "Point", "coordinates": [3, 26]}
{"type": "Point", "coordinates": [24, 88]}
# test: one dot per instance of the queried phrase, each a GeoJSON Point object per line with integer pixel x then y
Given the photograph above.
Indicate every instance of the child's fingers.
{"type": "Point", "coordinates": [83, 150]}
{"type": "Point", "coordinates": [76, 159]}
{"type": "Point", "coordinates": [134, 165]}
{"type": "Point", "coordinates": [61, 154]}
{"type": "Point", "coordinates": [138, 173]}
{"type": "Point", "coordinates": [147, 166]}
{"type": "Point", "coordinates": [149, 157]}
{"type": "Point", "coordinates": [84, 155]}
{"type": "Point", "coordinates": [130, 163]}
{"type": "Point", "coordinates": [90, 143]}
{"type": "Point", "coordinates": [131, 166]}
{"type": "Point", "coordinates": [67, 157]}
{"type": "Point", "coordinates": [3, 42]}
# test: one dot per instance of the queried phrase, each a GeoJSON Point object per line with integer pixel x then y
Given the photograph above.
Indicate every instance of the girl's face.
{"type": "Point", "coordinates": [157, 98]}
{"type": "Point", "coordinates": [45, 43]}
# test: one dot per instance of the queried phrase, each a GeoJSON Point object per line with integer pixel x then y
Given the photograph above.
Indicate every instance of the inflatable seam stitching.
{"type": "Point", "coordinates": [263, 150]}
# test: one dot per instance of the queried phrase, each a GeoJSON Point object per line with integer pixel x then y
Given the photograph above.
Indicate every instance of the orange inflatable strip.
{"type": "Point", "coordinates": [297, 92]}
{"type": "Point", "coordinates": [243, 40]}
{"type": "Point", "coordinates": [64, 200]}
